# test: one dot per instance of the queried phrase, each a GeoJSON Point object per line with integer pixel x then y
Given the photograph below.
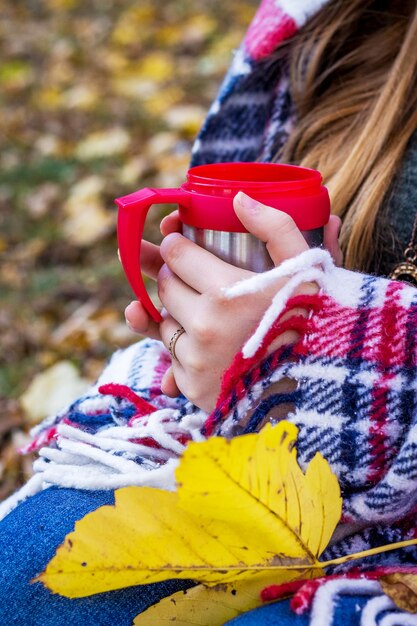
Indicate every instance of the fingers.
{"type": "Point", "coordinates": [176, 296]}
{"type": "Point", "coordinates": [150, 259]}
{"type": "Point", "coordinates": [185, 375]}
{"type": "Point", "coordinates": [140, 322]}
{"type": "Point", "coordinates": [170, 224]}
{"type": "Point", "coordinates": [168, 385]}
{"type": "Point", "coordinates": [277, 229]}
{"type": "Point", "coordinates": [173, 341]}
{"type": "Point", "coordinates": [196, 267]}
{"type": "Point", "coordinates": [136, 316]}
{"type": "Point", "coordinates": [331, 239]}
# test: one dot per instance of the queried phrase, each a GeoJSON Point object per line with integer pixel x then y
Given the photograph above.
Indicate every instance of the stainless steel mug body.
{"type": "Point", "coordinates": [242, 249]}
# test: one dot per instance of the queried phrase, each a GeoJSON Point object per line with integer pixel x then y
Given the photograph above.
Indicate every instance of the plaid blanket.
{"type": "Point", "coordinates": [253, 114]}
{"type": "Point", "coordinates": [354, 366]}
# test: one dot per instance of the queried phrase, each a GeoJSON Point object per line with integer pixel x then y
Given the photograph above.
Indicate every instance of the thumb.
{"type": "Point", "coordinates": [275, 228]}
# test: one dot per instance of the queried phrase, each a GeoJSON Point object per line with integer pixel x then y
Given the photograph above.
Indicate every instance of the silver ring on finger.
{"type": "Point", "coordinates": [173, 341]}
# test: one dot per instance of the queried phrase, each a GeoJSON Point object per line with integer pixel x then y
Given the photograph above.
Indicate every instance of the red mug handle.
{"type": "Point", "coordinates": [133, 210]}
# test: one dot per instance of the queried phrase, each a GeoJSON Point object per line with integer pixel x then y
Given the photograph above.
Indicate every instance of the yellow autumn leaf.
{"type": "Point", "coordinates": [65, 5]}
{"type": "Point", "coordinates": [85, 216]}
{"type": "Point", "coordinates": [168, 35]}
{"type": "Point", "coordinates": [186, 117]}
{"type": "Point", "coordinates": [160, 101]}
{"type": "Point", "coordinates": [147, 76]}
{"type": "Point", "coordinates": [242, 506]}
{"type": "Point", "coordinates": [157, 66]}
{"type": "Point", "coordinates": [15, 75]}
{"type": "Point", "coordinates": [258, 484]}
{"type": "Point", "coordinates": [103, 144]}
{"type": "Point", "coordinates": [213, 606]}
{"type": "Point", "coordinates": [49, 98]}
{"type": "Point", "coordinates": [133, 23]}
{"type": "Point", "coordinates": [83, 96]}
{"type": "Point", "coordinates": [198, 28]}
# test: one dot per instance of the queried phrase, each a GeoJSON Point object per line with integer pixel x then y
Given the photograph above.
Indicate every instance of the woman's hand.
{"type": "Point", "coordinates": [190, 282]}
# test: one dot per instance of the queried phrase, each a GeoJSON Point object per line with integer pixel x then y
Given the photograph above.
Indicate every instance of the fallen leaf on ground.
{"type": "Point", "coordinates": [188, 118]}
{"type": "Point", "coordinates": [86, 219]}
{"type": "Point", "coordinates": [103, 144]}
{"type": "Point", "coordinates": [89, 224]}
{"type": "Point", "coordinates": [51, 390]}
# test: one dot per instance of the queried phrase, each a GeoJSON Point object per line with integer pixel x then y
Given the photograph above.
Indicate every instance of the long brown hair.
{"type": "Point", "coordinates": [353, 76]}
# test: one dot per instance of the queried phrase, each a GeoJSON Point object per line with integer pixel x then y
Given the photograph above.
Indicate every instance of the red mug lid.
{"type": "Point", "coordinates": [265, 177]}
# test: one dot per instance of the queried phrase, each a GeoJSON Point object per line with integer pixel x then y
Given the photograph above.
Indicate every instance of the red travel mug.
{"type": "Point", "coordinates": [205, 203]}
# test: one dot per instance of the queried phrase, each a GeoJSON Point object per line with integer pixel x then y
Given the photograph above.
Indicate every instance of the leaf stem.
{"type": "Point", "coordinates": [310, 566]}
{"type": "Point", "coordinates": [370, 552]}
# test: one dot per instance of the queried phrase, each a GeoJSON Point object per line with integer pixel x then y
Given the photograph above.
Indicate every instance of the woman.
{"type": "Point", "coordinates": [331, 85]}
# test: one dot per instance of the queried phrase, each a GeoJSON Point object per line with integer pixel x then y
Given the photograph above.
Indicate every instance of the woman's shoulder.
{"type": "Point", "coordinates": [403, 195]}
{"type": "Point", "coordinates": [400, 211]}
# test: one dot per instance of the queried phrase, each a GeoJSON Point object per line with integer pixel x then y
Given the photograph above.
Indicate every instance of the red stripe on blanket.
{"type": "Point", "coordinates": [269, 27]}
{"type": "Point", "coordinates": [245, 372]}
{"type": "Point", "coordinates": [162, 364]}
{"type": "Point", "coordinates": [44, 439]}
{"type": "Point", "coordinates": [305, 590]}
{"type": "Point", "coordinates": [388, 322]}
{"type": "Point", "coordinates": [335, 343]}
{"type": "Point", "coordinates": [123, 391]}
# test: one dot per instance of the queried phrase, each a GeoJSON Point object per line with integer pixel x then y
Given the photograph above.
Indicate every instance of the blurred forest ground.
{"type": "Point", "coordinates": [97, 98]}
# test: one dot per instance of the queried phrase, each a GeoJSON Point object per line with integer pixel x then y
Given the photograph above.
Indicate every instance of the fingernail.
{"type": "Point", "coordinates": [247, 202]}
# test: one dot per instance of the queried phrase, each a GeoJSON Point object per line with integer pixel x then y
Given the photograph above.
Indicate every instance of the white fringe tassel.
{"type": "Point", "coordinates": [310, 266]}
{"type": "Point", "coordinates": [85, 461]}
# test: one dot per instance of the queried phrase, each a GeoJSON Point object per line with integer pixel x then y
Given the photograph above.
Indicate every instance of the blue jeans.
{"type": "Point", "coordinates": [348, 613]}
{"type": "Point", "coordinates": [29, 536]}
